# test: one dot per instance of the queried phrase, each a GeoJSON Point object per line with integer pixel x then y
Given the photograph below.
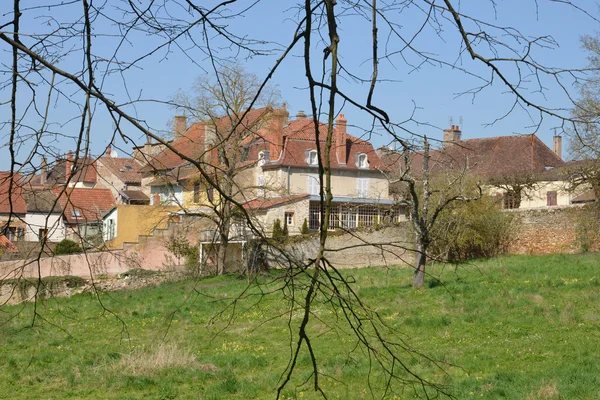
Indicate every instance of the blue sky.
{"type": "Point", "coordinates": [430, 92]}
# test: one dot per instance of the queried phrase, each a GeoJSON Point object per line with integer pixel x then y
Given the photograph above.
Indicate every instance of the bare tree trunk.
{"type": "Point", "coordinates": [222, 254]}
{"type": "Point", "coordinates": [420, 262]}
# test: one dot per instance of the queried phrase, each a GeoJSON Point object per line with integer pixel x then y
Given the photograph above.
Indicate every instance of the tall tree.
{"type": "Point", "coordinates": [223, 102]}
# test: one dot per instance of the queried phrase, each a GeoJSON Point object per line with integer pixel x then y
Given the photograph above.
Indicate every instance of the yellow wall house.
{"type": "Point", "coordinates": [124, 223]}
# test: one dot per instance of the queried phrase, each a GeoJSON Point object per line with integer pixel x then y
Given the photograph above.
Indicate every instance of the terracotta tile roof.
{"type": "Point", "coordinates": [191, 144]}
{"type": "Point", "coordinates": [262, 204]}
{"type": "Point", "coordinates": [84, 205]}
{"type": "Point", "coordinates": [15, 203]}
{"type": "Point", "coordinates": [299, 137]}
{"type": "Point", "coordinates": [7, 246]}
{"type": "Point", "coordinates": [487, 158]}
{"type": "Point", "coordinates": [125, 168]}
{"type": "Point", "coordinates": [41, 201]}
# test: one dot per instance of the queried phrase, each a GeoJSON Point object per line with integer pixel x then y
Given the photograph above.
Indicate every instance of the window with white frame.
{"type": "Point", "coordinates": [260, 183]}
{"type": "Point", "coordinates": [362, 161]}
{"type": "Point", "coordinates": [313, 184]}
{"type": "Point", "coordinates": [362, 187]}
{"type": "Point", "coordinates": [289, 218]}
{"type": "Point", "coordinates": [312, 157]}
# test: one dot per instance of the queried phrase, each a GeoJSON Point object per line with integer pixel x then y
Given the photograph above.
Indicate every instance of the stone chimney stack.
{"type": "Point", "coordinates": [451, 135]}
{"type": "Point", "coordinates": [278, 120]}
{"type": "Point", "coordinates": [43, 171]}
{"type": "Point", "coordinates": [341, 138]}
{"type": "Point", "coordinates": [558, 146]}
{"type": "Point", "coordinates": [180, 126]}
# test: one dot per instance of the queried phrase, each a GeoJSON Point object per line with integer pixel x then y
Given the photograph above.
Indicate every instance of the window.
{"type": "Point", "coordinates": [76, 213]}
{"type": "Point", "coordinates": [510, 201]}
{"type": "Point", "coordinates": [197, 192]}
{"type": "Point", "coordinates": [211, 194]}
{"type": "Point", "coordinates": [312, 157]}
{"type": "Point", "coordinates": [110, 229]}
{"type": "Point", "coordinates": [348, 218]}
{"type": "Point", "coordinates": [42, 234]}
{"type": "Point", "coordinates": [313, 185]}
{"type": "Point", "coordinates": [260, 183]}
{"type": "Point", "coordinates": [362, 161]}
{"type": "Point", "coordinates": [289, 218]}
{"type": "Point", "coordinates": [263, 157]}
{"type": "Point", "coordinates": [14, 233]}
{"type": "Point", "coordinates": [314, 216]}
{"type": "Point", "coordinates": [551, 198]}
{"type": "Point", "coordinates": [362, 187]}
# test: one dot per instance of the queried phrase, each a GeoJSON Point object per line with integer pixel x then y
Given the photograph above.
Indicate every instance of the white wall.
{"type": "Point", "coordinates": [53, 222]}
{"type": "Point", "coordinates": [110, 218]}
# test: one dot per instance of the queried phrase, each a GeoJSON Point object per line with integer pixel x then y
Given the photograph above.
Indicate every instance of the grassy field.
{"type": "Point", "coordinates": [513, 327]}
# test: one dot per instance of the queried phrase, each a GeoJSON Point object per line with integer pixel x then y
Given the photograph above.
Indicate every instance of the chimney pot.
{"type": "Point", "coordinates": [301, 114]}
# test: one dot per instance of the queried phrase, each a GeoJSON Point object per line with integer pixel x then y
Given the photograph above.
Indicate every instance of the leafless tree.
{"type": "Point", "coordinates": [69, 60]}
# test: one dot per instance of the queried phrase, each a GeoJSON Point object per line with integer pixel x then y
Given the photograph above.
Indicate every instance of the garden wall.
{"type": "Point", "coordinates": [546, 231]}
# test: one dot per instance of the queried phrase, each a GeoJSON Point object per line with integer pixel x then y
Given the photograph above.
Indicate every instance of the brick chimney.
{"type": "Point", "coordinates": [558, 146]}
{"type": "Point", "coordinates": [278, 120]}
{"type": "Point", "coordinates": [180, 126]}
{"type": "Point", "coordinates": [341, 139]}
{"type": "Point", "coordinates": [108, 151]}
{"type": "Point", "coordinates": [68, 165]}
{"type": "Point", "coordinates": [451, 135]}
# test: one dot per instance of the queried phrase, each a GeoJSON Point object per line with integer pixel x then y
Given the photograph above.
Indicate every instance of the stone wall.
{"type": "Point", "coordinates": [365, 248]}
{"type": "Point", "coordinates": [546, 230]}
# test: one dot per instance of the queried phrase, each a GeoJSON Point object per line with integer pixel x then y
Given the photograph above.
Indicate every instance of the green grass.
{"type": "Point", "coordinates": [519, 327]}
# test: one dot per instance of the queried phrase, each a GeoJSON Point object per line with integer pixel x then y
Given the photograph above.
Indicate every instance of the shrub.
{"type": "Point", "coordinates": [304, 230]}
{"type": "Point", "coordinates": [278, 235]}
{"type": "Point", "coordinates": [472, 230]}
{"type": "Point", "coordinates": [285, 231]}
{"type": "Point", "coordinates": [67, 246]}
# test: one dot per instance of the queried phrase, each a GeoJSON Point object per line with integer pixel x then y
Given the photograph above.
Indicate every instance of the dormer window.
{"type": "Point", "coordinates": [312, 157]}
{"type": "Point", "coordinates": [263, 157]}
{"type": "Point", "coordinates": [362, 161]}
{"type": "Point", "coordinates": [75, 213]}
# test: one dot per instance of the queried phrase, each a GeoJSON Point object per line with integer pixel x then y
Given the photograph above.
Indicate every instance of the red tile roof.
{"type": "Point", "coordinates": [12, 202]}
{"type": "Point", "coordinates": [85, 205]}
{"type": "Point", "coordinates": [269, 202]}
{"type": "Point", "coordinates": [7, 246]}
{"type": "Point", "coordinates": [299, 137]}
{"type": "Point", "coordinates": [487, 158]}
{"type": "Point", "coordinates": [191, 144]}
{"type": "Point", "coordinates": [125, 168]}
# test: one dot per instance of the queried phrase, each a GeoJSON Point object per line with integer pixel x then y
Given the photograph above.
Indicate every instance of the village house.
{"type": "Point", "coordinates": [83, 211]}
{"type": "Point", "coordinates": [13, 209]}
{"type": "Point", "coordinates": [277, 177]}
{"type": "Point", "coordinates": [122, 176]}
{"type": "Point", "coordinates": [520, 170]}
{"type": "Point", "coordinates": [44, 218]}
